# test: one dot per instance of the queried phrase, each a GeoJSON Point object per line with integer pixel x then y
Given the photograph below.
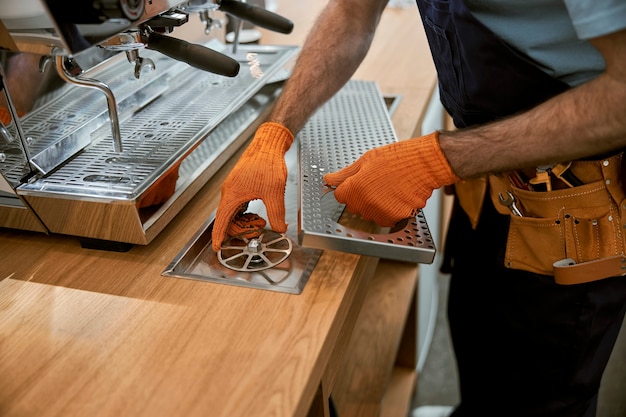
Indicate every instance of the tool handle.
{"type": "Point", "coordinates": [197, 56]}
{"type": "Point", "coordinates": [257, 15]}
{"type": "Point", "coordinates": [565, 174]}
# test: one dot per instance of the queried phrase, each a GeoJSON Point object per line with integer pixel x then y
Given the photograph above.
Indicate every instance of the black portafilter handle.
{"type": "Point", "coordinates": [197, 56]}
{"type": "Point", "coordinates": [257, 16]}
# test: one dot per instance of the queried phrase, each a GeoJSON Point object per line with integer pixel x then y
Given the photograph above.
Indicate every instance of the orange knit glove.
{"type": "Point", "coordinates": [260, 173]}
{"type": "Point", "coordinates": [393, 182]}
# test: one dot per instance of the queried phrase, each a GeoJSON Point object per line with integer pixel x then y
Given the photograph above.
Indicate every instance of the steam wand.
{"type": "Point", "coordinates": [69, 71]}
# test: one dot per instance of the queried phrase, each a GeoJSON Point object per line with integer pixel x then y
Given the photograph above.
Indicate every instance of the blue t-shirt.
{"type": "Point", "coordinates": [554, 32]}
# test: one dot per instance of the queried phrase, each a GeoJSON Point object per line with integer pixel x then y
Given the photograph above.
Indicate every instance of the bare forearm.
{"type": "Point", "coordinates": [585, 121]}
{"type": "Point", "coordinates": [577, 124]}
{"type": "Point", "coordinates": [331, 54]}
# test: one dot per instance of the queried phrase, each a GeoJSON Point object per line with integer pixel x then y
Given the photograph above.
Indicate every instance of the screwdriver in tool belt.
{"type": "Point", "coordinates": [563, 172]}
{"type": "Point", "coordinates": [542, 180]}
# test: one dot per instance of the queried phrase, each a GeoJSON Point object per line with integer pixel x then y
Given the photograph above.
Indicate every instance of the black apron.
{"type": "Point", "coordinates": [481, 77]}
{"type": "Point", "coordinates": [522, 345]}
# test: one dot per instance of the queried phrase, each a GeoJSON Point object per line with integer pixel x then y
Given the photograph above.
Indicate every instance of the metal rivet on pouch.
{"type": "Point", "coordinates": [594, 222]}
{"type": "Point", "coordinates": [610, 218]}
{"type": "Point", "coordinates": [607, 182]}
{"type": "Point", "coordinates": [605, 163]}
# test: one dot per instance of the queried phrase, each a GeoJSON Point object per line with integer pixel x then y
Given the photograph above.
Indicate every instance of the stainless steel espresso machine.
{"type": "Point", "coordinates": [134, 106]}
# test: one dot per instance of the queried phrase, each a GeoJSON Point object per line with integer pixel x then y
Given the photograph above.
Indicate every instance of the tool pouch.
{"type": "Point", "coordinates": [578, 224]}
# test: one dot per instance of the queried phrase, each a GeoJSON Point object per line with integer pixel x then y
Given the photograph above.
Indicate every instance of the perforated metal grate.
{"type": "Point", "coordinates": [352, 122]}
{"type": "Point", "coordinates": [191, 106]}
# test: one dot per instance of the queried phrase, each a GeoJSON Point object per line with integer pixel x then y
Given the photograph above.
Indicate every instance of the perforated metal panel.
{"type": "Point", "coordinates": [351, 123]}
{"type": "Point", "coordinates": [182, 108]}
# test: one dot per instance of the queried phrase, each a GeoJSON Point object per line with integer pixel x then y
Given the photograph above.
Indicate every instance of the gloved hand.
{"type": "Point", "coordinates": [392, 182]}
{"type": "Point", "coordinates": [260, 173]}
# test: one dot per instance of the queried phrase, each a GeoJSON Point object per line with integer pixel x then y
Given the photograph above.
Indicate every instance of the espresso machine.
{"type": "Point", "coordinates": [135, 110]}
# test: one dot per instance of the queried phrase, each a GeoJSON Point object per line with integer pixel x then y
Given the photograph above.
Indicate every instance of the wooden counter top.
{"type": "Point", "coordinates": [95, 333]}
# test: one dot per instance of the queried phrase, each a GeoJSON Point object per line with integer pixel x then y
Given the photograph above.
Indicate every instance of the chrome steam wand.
{"type": "Point", "coordinates": [69, 71]}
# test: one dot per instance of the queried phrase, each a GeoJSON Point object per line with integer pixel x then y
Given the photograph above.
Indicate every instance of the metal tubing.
{"type": "Point", "coordinates": [65, 74]}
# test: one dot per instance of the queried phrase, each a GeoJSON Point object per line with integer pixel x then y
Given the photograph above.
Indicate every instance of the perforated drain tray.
{"type": "Point", "coordinates": [352, 122]}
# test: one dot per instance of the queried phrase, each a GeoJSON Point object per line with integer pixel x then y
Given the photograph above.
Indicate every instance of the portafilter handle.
{"type": "Point", "coordinates": [197, 56]}
{"type": "Point", "coordinates": [256, 15]}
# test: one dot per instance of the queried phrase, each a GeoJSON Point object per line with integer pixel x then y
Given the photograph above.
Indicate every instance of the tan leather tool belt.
{"type": "Point", "coordinates": [575, 233]}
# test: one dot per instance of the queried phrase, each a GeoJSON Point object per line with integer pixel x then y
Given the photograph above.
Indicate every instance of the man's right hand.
{"type": "Point", "coordinates": [260, 173]}
{"type": "Point", "coordinates": [392, 182]}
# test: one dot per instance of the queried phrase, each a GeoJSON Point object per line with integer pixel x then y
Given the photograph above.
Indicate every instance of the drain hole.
{"type": "Point", "coordinates": [109, 179]}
